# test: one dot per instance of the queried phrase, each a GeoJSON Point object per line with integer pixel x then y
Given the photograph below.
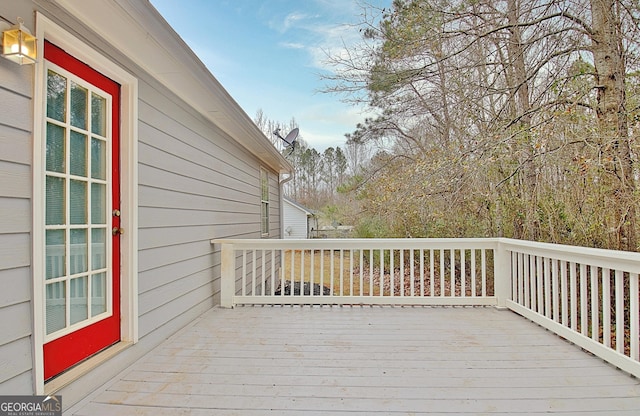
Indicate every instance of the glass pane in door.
{"type": "Point", "coordinates": [78, 154]}
{"type": "Point", "coordinates": [55, 201]}
{"type": "Point", "coordinates": [98, 203]}
{"type": "Point", "coordinates": [98, 294]}
{"type": "Point", "coordinates": [55, 152]}
{"type": "Point", "coordinates": [55, 253]}
{"type": "Point", "coordinates": [98, 159]}
{"type": "Point", "coordinates": [56, 96]}
{"type": "Point", "coordinates": [55, 306]}
{"type": "Point", "coordinates": [78, 106]}
{"type": "Point", "coordinates": [98, 115]}
{"type": "Point", "coordinates": [98, 249]}
{"type": "Point", "coordinates": [79, 251]}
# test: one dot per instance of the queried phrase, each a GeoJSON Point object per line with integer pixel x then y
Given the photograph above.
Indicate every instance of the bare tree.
{"type": "Point", "coordinates": [496, 104]}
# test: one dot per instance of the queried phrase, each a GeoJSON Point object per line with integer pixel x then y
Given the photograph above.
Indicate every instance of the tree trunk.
{"type": "Point", "coordinates": [609, 61]}
{"type": "Point", "coordinates": [519, 91]}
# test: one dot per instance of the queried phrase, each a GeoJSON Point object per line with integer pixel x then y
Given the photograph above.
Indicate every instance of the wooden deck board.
{"type": "Point", "coordinates": [365, 360]}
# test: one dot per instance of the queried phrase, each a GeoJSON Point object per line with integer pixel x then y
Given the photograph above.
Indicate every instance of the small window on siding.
{"type": "Point", "coordinates": [264, 198]}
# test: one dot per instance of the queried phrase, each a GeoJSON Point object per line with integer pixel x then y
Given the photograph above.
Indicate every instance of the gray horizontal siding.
{"type": "Point", "coordinates": [15, 365]}
{"type": "Point", "coordinates": [152, 217]}
{"type": "Point", "coordinates": [15, 144]}
{"type": "Point", "coordinates": [16, 124]}
{"type": "Point", "coordinates": [15, 180]}
{"type": "Point", "coordinates": [186, 200]}
{"type": "Point", "coordinates": [15, 215]}
{"type": "Point", "coordinates": [158, 177]}
{"type": "Point", "coordinates": [16, 110]}
{"type": "Point", "coordinates": [16, 287]}
{"type": "Point", "coordinates": [195, 184]}
{"type": "Point", "coordinates": [161, 276]}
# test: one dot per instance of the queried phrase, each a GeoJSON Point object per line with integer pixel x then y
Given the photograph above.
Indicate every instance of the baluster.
{"type": "Point", "coordinates": [361, 258]}
{"type": "Point", "coordinates": [371, 290]}
{"type": "Point", "coordinates": [431, 272]}
{"type": "Point", "coordinates": [441, 272]}
{"type": "Point", "coordinates": [547, 287]}
{"type": "Point", "coordinates": [322, 273]}
{"type": "Point", "coordinates": [273, 272]}
{"type": "Point", "coordinates": [473, 273]}
{"type": "Point", "coordinates": [303, 253]}
{"type": "Point", "coordinates": [452, 275]}
{"type": "Point", "coordinates": [463, 273]}
{"type": "Point", "coordinates": [634, 316]}
{"type": "Point", "coordinates": [351, 273]}
{"type": "Point", "coordinates": [421, 272]}
{"type": "Point", "coordinates": [573, 295]}
{"type": "Point", "coordinates": [533, 283]}
{"type": "Point", "coordinates": [253, 272]}
{"type": "Point", "coordinates": [263, 276]}
{"type": "Point", "coordinates": [554, 288]}
{"type": "Point", "coordinates": [312, 276]}
{"type": "Point", "coordinates": [401, 253]}
{"type": "Point", "coordinates": [244, 273]}
{"type": "Point", "coordinates": [341, 272]}
{"type": "Point", "coordinates": [595, 304]}
{"type": "Point", "coordinates": [606, 307]}
{"type": "Point", "coordinates": [483, 264]}
{"type": "Point", "coordinates": [564, 288]}
{"type": "Point", "coordinates": [522, 283]}
{"type": "Point", "coordinates": [392, 283]}
{"type": "Point", "coordinates": [292, 277]}
{"type": "Point", "coordinates": [584, 313]}
{"type": "Point", "coordinates": [527, 281]}
{"type": "Point", "coordinates": [382, 272]}
{"type": "Point", "coordinates": [331, 272]}
{"type": "Point", "coordinates": [619, 283]}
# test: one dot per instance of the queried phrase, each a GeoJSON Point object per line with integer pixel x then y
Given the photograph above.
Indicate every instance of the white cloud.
{"type": "Point", "coordinates": [292, 45]}
{"type": "Point", "coordinates": [324, 125]}
{"type": "Point", "coordinates": [292, 19]}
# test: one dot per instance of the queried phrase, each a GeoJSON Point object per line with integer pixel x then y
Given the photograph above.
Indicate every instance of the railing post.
{"type": "Point", "coordinates": [502, 275]}
{"type": "Point", "coordinates": [227, 275]}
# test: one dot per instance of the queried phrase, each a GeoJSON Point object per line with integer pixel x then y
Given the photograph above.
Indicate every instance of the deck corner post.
{"type": "Point", "coordinates": [502, 275]}
{"type": "Point", "coordinates": [227, 276]}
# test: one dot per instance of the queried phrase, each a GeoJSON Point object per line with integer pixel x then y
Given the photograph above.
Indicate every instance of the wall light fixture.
{"type": "Point", "coordinates": [18, 44]}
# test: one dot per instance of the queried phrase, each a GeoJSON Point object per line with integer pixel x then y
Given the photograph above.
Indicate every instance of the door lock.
{"type": "Point", "coordinates": [117, 231]}
{"type": "Point", "coordinates": [116, 212]}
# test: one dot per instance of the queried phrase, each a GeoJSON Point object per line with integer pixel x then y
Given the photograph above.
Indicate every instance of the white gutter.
{"type": "Point", "coordinates": [281, 184]}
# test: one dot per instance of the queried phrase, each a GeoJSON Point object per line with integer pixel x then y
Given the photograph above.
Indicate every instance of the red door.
{"type": "Point", "coordinates": [82, 212]}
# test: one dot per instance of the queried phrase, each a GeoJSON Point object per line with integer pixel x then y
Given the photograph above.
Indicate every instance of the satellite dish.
{"type": "Point", "coordinates": [289, 139]}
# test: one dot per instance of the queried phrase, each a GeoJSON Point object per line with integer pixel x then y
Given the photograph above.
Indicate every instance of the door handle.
{"type": "Point", "coordinates": [117, 231]}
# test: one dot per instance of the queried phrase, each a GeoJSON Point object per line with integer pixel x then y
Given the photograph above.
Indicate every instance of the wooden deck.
{"type": "Point", "coordinates": [365, 361]}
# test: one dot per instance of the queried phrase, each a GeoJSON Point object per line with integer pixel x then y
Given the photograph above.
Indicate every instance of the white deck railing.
{"type": "Point", "coordinates": [588, 296]}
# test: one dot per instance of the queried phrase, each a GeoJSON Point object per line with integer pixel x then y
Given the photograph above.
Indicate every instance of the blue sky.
{"type": "Point", "coordinates": [268, 54]}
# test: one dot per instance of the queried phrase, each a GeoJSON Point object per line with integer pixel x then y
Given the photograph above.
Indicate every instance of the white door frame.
{"type": "Point", "coordinates": [47, 29]}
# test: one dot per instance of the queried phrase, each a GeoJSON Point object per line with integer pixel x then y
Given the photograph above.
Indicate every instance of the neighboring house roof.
{"type": "Point", "coordinates": [145, 36]}
{"type": "Point", "coordinates": [298, 206]}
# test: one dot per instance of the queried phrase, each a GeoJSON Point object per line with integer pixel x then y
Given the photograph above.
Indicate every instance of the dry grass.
{"type": "Point", "coordinates": [343, 274]}
{"type": "Point", "coordinates": [327, 268]}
